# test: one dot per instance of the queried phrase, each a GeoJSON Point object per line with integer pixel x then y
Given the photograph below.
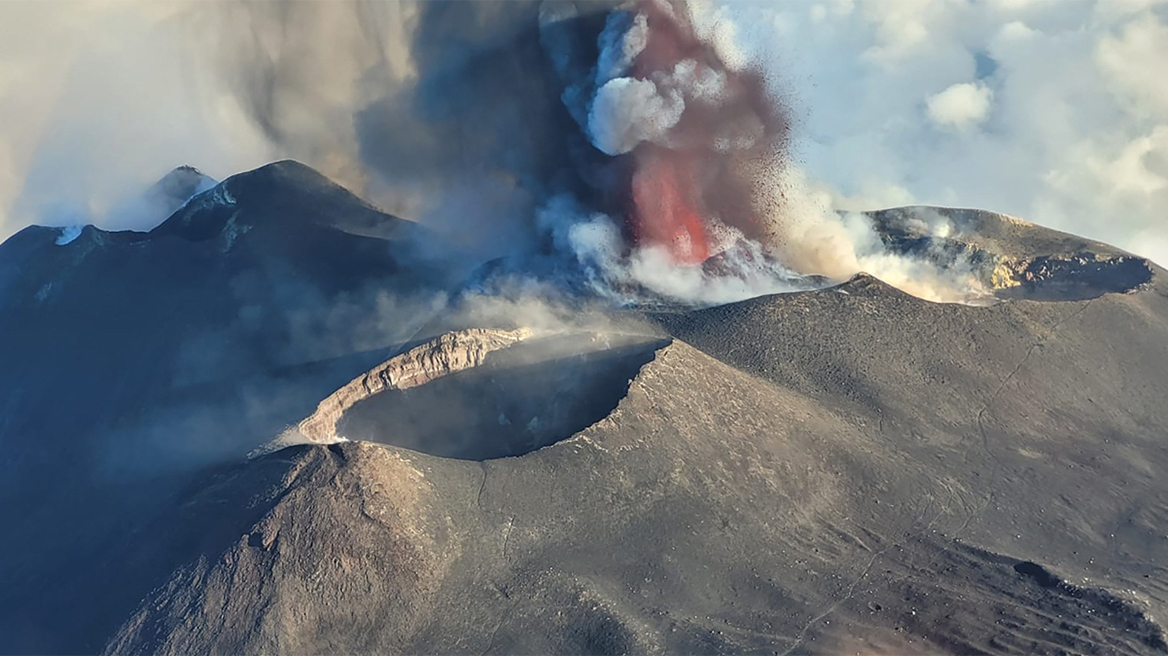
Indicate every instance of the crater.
{"type": "Point", "coordinates": [1077, 277]}
{"type": "Point", "coordinates": [520, 398]}
{"type": "Point", "coordinates": [1012, 259]}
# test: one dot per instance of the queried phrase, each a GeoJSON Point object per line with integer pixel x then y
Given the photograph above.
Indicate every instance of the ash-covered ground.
{"type": "Point", "coordinates": [654, 399]}
{"type": "Point", "coordinates": [283, 431]}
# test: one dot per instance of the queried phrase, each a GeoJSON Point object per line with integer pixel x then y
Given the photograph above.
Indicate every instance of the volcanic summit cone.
{"type": "Point", "coordinates": [845, 469]}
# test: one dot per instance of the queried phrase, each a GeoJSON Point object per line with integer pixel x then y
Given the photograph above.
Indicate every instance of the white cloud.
{"type": "Point", "coordinates": [961, 106]}
{"type": "Point", "coordinates": [1060, 107]}
{"type": "Point", "coordinates": [1130, 172]}
{"type": "Point", "coordinates": [1134, 63]}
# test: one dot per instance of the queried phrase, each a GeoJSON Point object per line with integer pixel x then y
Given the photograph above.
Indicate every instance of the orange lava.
{"type": "Point", "coordinates": [665, 210]}
{"type": "Point", "coordinates": [665, 186]}
{"type": "Point", "coordinates": [680, 182]}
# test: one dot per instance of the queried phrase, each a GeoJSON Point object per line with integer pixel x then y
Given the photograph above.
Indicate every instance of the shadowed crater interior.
{"type": "Point", "coordinates": [520, 399]}
{"type": "Point", "coordinates": [1077, 277]}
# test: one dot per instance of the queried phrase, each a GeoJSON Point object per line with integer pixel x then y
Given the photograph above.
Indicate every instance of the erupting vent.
{"type": "Point", "coordinates": [686, 128]}
{"type": "Point", "coordinates": [665, 212]}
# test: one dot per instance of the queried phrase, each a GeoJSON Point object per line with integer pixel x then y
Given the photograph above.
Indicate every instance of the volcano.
{"type": "Point", "coordinates": [209, 326]}
{"type": "Point", "coordinates": [622, 386]}
{"type": "Point", "coordinates": [191, 466]}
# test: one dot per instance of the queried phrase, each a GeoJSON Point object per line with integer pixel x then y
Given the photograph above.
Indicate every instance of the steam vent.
{"type": "Point", "coordinates": [583, 327]}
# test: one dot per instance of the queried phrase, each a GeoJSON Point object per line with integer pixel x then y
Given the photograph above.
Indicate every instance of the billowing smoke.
{"type": "Point", "coordinates": [645, 154]}
{"type": "Point", "coordinates": [640, 150]}
{"type": "Point", "coordinates": [629, 145]}
{"type": "Point", "coordinates": [684, 121]}
{"type": "Point", "coordinates": [697, 199]}
{"type": "Point", "coordinates": [679, 135]}
{"type": "Point", "coordinates": [299, 70]}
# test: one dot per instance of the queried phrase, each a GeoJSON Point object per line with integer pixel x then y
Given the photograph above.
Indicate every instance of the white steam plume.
{"type": "Point", "coordinates": [627, 111]}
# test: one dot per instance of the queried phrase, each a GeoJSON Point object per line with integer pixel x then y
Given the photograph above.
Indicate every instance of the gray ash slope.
{"type": "Point", "coordinates": [128, 360]}
{"type": "Point", "coordinates": [208, 297]}
{"type": "Point", "coordinates": [851, 469]}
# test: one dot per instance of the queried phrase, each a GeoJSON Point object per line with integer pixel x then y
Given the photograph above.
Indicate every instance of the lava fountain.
{"type": "Point", "coordinates": [698, 122]}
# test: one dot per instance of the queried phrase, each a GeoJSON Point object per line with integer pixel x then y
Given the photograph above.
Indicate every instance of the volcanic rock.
{"type": "Point", "coordinates": [448, 354]}
{"type": "Point", "coordinates": [840, 470]}
{"type": "Point", "coordinates": [131, 360]}
{"type": "Point", "coordinates": [788, 490]}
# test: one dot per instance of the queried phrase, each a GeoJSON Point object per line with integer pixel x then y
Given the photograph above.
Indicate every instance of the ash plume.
{"type": "Point", "coordinates": [629, 149]}
{"type": "Point", "coordinates": [632, 145]}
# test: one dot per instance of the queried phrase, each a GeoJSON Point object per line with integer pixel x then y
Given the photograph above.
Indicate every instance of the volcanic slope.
{"type": "Point", "coordinates": [128, 360]}
{"type": "Point", "coordinates": [852, 469]}
{"type": "Point", "coordinates": [215, 294]}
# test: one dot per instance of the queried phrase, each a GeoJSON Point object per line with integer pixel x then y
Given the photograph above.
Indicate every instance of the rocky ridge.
{"type": "Point", "coordinates": [442, 356]}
